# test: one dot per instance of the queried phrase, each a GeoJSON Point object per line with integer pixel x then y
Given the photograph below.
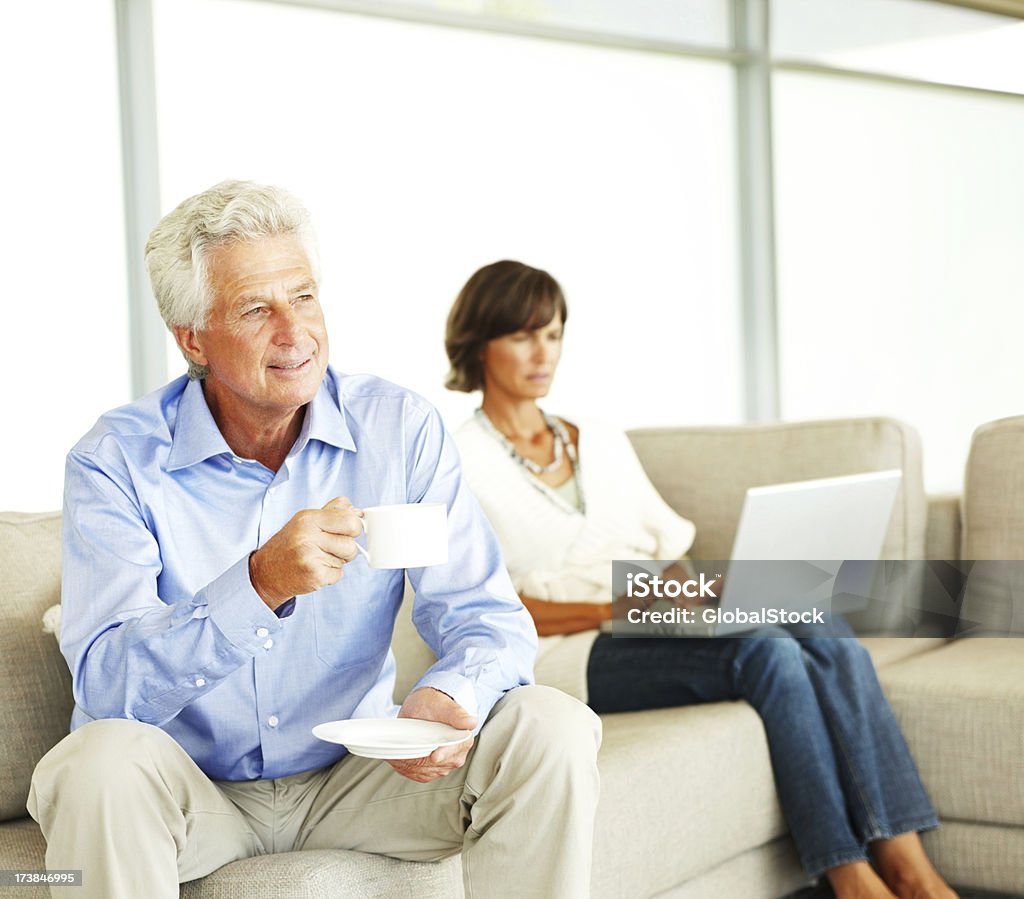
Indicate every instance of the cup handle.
{"type": "Point", "coordinates": [362, 549]}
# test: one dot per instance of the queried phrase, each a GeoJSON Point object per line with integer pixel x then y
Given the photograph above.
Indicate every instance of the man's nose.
{"type": "Point", "coordinates": [289, 329]}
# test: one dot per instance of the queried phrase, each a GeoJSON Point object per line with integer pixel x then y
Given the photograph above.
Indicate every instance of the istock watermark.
{"type": "Point", "coordinates": [644, 585]}
{"type": "Point", "coordinates": [739, 598]}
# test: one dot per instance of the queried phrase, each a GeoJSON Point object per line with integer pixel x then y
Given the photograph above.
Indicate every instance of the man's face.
{"type": "Point", "coordinates": [265, 343]}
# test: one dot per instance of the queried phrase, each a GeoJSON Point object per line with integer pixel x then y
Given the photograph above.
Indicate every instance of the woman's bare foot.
{"type": "Point", "coordinates": [907, 870]}
{"type": "Point", "coordinates": [857, 880]}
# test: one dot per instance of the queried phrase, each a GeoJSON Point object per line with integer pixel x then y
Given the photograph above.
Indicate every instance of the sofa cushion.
{"type": "Point", "coordinates": [690, 787]}
{"type": "Point", "coordinates": [693, 787]}
{"type": "Point", "coordinates": [983, 856]}
{"type": "Point", "coordinates": [704, 472]}
{"type": "Point", "coordinates": [330, 874]}
{"type": "Point", "coordinates": [961, 708]}
{"type": "Point", "coordinates": [993, 510]}
{"type": "Point", "coordinates": [334, 873]}
{"type": "Point", "coordinates": [889, 650]}
{"type": "Point", "coordinates": [766, 872]}
{"type": "Point", "coordinates": [22, 848]}
{"type": "Point", "coordinates": [35, 685]}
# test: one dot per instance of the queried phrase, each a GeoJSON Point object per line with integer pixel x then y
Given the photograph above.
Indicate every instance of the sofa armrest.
{"type": "Point", "coordinates": [35, 684]}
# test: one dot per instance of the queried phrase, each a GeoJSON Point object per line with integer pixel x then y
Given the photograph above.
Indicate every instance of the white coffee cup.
{"type": "Point", "coordinates": [405, 535]}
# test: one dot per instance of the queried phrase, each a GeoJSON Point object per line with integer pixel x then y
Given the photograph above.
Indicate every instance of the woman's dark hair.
{"type": "Point", "coordinates": [499, 299]}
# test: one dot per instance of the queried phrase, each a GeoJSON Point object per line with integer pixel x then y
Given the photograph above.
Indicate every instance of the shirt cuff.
{"type": "Point", "coordinates": [459, 688]}
{"type": "Point", "coordinates": [236, 609]}
{"type": "Point", "coordinates": [286, 608]}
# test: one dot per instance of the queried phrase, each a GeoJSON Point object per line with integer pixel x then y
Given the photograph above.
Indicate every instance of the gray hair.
{"type": "Point", "coordinates": [178, 248]}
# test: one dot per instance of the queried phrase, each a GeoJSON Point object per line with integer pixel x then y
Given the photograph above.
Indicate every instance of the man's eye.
{"type": "Point", "coordinates": [254, 311]}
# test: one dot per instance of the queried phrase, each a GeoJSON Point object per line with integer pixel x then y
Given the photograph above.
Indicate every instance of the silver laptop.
{"type": "Point", "coordinates": [804, 531]}
{"type": "Point", "coordinates": [815, 536]}
{"type": "Point", "coordinates": [829, 518]}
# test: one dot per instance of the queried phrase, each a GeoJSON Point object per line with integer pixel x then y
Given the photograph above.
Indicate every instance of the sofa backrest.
{"type": "Point", "coordinates": [35, 685]}
{"type": "Point", "coordinates": [704, 472]}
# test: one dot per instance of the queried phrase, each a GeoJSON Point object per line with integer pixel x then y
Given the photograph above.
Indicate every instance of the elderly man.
{"type": "Point", "coordinates": [215, 609]}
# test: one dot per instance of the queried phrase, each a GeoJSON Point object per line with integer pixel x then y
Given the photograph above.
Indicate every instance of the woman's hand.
{"type": "Point", "coordinates": [680, 572]}
{"type": "Point", "coordinates": [566, 617]}
{"type": "Point", "coordinates": [553, 618]}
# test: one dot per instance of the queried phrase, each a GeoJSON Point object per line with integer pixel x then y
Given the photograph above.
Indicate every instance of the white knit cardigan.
{"type": "Point", "coordinates": [556, 553]}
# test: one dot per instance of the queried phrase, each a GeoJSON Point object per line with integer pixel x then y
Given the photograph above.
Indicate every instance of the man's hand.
{"type": "Point", "coordinates": [308, 553]}
{"type": "Point", "coordinates": [429, 704]}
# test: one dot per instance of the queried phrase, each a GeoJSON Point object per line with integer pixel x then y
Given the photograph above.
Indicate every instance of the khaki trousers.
{"type": "Point", "coordinates": [123, 802]}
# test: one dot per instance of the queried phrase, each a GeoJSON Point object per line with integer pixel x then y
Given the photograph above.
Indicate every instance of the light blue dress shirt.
{"type": "Point", "coordinates": [161, 623]}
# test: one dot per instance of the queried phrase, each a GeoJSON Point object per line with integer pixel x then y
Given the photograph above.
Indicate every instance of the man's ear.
{"type": "Point", "coordinates": [190, 343]}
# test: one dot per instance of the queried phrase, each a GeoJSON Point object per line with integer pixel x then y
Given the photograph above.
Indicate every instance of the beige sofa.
{"type": "Point", "coordinates": [688, 807]}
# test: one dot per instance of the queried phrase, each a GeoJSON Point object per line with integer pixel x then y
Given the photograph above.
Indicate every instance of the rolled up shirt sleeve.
{"type": "Point", "coordinates": [466, 610]}
{"type": "Point", "coordinates": [132, 653]}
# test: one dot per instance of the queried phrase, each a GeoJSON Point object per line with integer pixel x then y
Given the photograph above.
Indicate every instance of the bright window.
{"type": "Point", "coordinates": [66, 313]}
{"type": "Point", "coordinates": [695, 22]}
{"type": "Point", "coordinates": [900, 221]}
{"type": "Point", "coordinates": [907, 38]}
{"type": "Point", "coordinates": [425, 152]}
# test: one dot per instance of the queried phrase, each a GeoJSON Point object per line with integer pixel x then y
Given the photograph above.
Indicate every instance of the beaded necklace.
{"type": "Point", "coordinates": [562, 444]}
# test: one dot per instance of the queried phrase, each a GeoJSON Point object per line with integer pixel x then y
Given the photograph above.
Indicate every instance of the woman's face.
{"type": "Point", "coordinates": [522, 365]}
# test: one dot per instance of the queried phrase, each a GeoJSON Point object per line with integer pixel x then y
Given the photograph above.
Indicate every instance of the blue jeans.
{"type": "Point", "coordinates": [842, 769]}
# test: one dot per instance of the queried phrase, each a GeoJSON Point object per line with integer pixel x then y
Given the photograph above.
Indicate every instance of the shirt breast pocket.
{"type": "Point", "coordinates": [354, 619]}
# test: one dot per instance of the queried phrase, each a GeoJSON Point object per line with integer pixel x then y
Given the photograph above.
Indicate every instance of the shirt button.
{"type": "Point", "coordinates": [200, 681]}
{"type": "Point", "coordinates": [273, 721]}
{"type": "Point", "coordinates": [262, 632]}
{"type": "Point", "coordinates": [268, 644]}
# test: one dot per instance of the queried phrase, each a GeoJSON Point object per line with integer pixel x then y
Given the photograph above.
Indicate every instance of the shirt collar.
{"type": "Point", "coordinates": [197, 437]}
{"type": "Point", "coordinates": [325, 418]}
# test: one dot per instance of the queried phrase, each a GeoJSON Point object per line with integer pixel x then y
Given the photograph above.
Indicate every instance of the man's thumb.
{"type": "Point", "coordinates": [460, 719]}
{"type": "Point", "coordinates": [456, 716]}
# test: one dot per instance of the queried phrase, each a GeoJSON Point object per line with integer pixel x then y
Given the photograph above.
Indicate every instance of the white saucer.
{"type": "Point", "coordinates": [390, 738]}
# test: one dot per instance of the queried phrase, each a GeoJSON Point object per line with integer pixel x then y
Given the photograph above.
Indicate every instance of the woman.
{"type": "Point", "coordinates": [566, 498]}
